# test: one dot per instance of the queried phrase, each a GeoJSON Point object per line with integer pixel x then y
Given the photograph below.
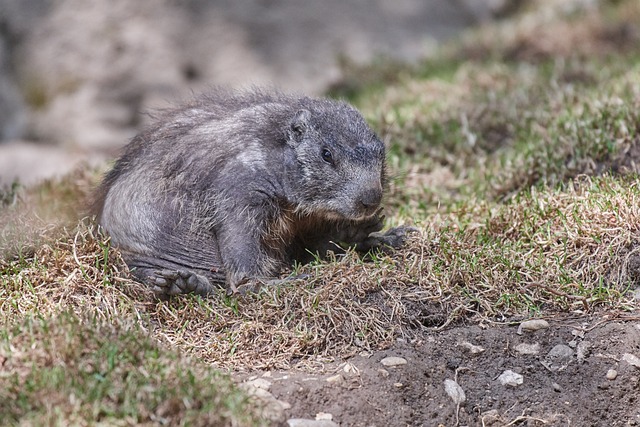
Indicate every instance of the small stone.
{"type": "Point", "coordinates": [631, 359]}
{"type": "Point", "coordinates": [455, 392]}
{"type": "Point", "coordinates": [578, 333]}
{"type": "Point", "coordinates": [398, 385]}
{"type": "Point", "coordinates": [258, 392]}
{"type": "Point", "coordinates": [335, 379]}
{"type": "Point", "coordinates": [560, 352]}
{"type": "Point", "coordinates": [558, 358]}
{"type": "Point", "coordinates": [612, 374]}
{"type": "Point", "coordinates": [556, 387]}
{"type": "Point", "coordinates": [259, 383]}
{"type": "Point", "coordinates": [393, 361]}
{"type": "Point", "coordinates": [490, 417]}
{"type": "Point", "coordinates": [383, 373]}
{"type": "Point", "coordinates": [532, 325]}
{"type": "Point", "coordinates": [510, 378]}
{"type": "Point", "coordinates": [273, 409]}
{"type": "Point", "coordinates": [285, 405]}
{"type": "Point", "coordinates": [582, 350]}
{"type": "Point", "coordinates": [350, 368]}
{"type": "Point", "coordinates": [472, 348]}
{"type": "Point", "coordinates": [324, 416]}
{"type": "Point", "coordinates": [302, 422]}
{"type": "Point", "coordinates": [528, 348]}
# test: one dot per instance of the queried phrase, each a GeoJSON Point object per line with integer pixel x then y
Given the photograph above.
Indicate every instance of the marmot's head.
{"type": "Point", "coordinates": [339, 160]}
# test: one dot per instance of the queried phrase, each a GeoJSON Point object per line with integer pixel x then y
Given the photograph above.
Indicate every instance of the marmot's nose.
{"type": "Point", "coordinates": [370, 199]}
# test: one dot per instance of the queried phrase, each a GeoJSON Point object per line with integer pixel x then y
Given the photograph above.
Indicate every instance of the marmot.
{"type": "Point", "coordinates": [234, 186]}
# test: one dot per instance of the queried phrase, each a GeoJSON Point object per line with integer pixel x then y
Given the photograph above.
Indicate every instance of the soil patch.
{"type": "Point", "coordinates": [578, 388]}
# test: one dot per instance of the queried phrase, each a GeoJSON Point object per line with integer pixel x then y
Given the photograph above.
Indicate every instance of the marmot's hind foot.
{"type": "Point", "coordinates": [175, 282]}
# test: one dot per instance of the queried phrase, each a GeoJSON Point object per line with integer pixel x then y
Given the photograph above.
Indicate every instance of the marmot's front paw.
{"type": "Point", "coordinates": [393, 237]}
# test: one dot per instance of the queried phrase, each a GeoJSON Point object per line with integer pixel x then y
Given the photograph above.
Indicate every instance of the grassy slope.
{"type": "Point", "coordinates": [514, 151]}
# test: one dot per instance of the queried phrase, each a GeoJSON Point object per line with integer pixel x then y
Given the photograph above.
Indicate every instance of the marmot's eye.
{"type": "Point", "coordinates": [326, 156]}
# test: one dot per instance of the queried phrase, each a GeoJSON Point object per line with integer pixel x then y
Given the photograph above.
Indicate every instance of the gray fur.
{"type": "Point", "coordinates": [236, 185]}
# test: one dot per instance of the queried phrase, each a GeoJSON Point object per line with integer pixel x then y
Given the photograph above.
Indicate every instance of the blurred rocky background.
{"type": "Point", "coordinates": [77, 76]}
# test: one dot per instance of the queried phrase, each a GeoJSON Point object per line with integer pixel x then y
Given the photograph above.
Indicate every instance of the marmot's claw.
{"type": "Point", "coordinates": [394, 237]}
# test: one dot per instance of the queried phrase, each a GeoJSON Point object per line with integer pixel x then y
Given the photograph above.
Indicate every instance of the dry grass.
{"type": "Point", "coordinates": [494, 130]}
{"type": "Point", "coordinates": [550, 252]}
{"type": "Point", "coordinates": [79, 343]}
{"type": "Point", "coordinates": [552, 29]}
{"type": "Point", "coordinates": [30, 216]}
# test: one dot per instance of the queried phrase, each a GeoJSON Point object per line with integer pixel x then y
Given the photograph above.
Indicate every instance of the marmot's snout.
{"type": "Point", "coordinates": [369, 200]}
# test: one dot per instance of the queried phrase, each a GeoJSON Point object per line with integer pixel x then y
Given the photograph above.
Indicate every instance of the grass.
{"type": "Point", "coordinates": [516, 159]}
{"type": "Point", "coordinates": [68, 369]}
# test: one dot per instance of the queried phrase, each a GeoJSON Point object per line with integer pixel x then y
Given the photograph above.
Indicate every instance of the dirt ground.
{"type": "Point", "coordinates": [571, 385]}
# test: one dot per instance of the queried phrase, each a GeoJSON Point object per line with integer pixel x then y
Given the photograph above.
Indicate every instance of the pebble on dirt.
{"type": "Point", "coordinates": [631, 359]}
{"type": "Point", "coordinates": [335, 379]}
{"type": "Point", "coordinates": [455, 392]}
{"type": "Point", "coordinates": [393, 361]}
{"type": "Point", "coordinates": [558, 358]}
{"type": "Point", "coordinates": [383, 372]}
{"type": "Point", "coordinates": [612, 374]}
{"type": "Point", "coordinates": [532, 325]}
{"type": "Point", "coordinates": [510, 378]}
{"type": "Point", "coordinates": [301, 422]}
{"type": "Point", "coordinates": [528, 348]}
{"type": "Point", "coordinates": [472, 348]}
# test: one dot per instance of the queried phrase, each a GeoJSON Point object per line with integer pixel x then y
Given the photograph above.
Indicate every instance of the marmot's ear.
{"type": "Point", "coordinates": [300, 123]}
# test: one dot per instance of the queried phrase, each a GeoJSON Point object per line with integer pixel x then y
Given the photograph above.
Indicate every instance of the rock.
{"type": "Point", "coordinates": [582, 350]}
{"type": "Point", "coordinates": [273, 409]}
{"type": "Point", "coordinates": [558, 358]}
{"type": "Point", "coordinates": [510, 378]}
{"type": "Point", "coordinates": [383, 373]}
{"type": "Point", "coordinates": [471, 348]}
{"type": "Point", "coordinates": [260, 383]}
{"type": "Point", "coordinates": [532, 326]}
{"type": "Point", "coordinates": [302, 422]}
{"type": "Point", "coordinates": [556, 387]}
{"type": "Point", "coordinates": [560, 352]}
{"type": "Point", "coordinates": [324, 416]}
{"type": "Point", "coordinates": [578, 333]}
{"type": "Point", "coordinates": [350, 368]}
{"type": "Point", "coordinates": [491, 418]}
{"type": "Point", "coordinates": [335, 379]}
{"type": "Point", "coordinates": [393, 361]}
{"type": "Point", "coordinates": [631, 359]}
{"type": "Point", "coordinates": [455, 392]}
{"type": "Point", "coordinates": [612, 374]}
{"type": "Point", "coordinates": [528, 348]}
